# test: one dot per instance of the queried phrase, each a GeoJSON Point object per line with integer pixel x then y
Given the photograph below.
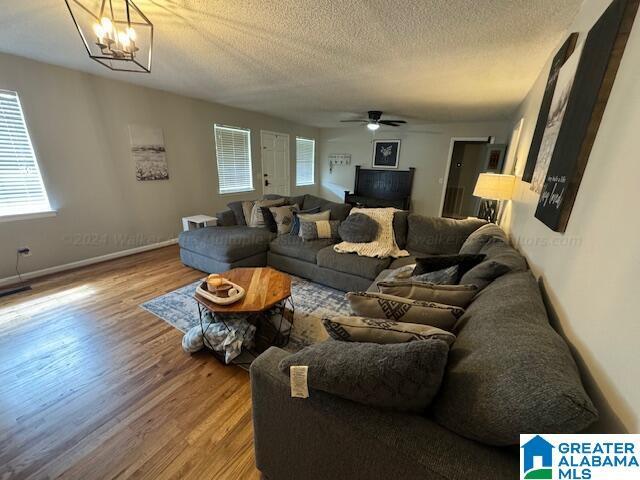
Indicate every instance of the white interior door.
{"type": "Point", "coordinates": [275, 163]}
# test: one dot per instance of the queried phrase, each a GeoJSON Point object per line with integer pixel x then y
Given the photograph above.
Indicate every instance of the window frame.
{"type": "Point", "coordinates": [251, 187]}
{"type": "Point", "coordinates": [44, 209]}
{"type": "Point", "coordinates": [313, 162]}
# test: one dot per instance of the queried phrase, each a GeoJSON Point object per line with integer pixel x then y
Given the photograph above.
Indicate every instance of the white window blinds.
{"type": "Point", "coordinates": [233, 154]}
{"type": "Point", "coordinates": [21, 187]}
{"type": "Point", "coordinates": [305, 161]}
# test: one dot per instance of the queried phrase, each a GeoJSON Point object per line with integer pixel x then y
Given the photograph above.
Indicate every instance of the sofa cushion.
{"type": "Point", "coordinates": [366, 267]}
{"type": "Point", "coordinates": [339, 211]}
{"type": "Point", "coordinates": [378, 330]}
{"type": "Point", "coordinates": [358, 228]}
{"type": "Point", "coordinates": [226, 244]}
{"type": "Point", "coordinates": [500, 258]}
{"type": "Point", "coordinates": [403, 376]}
{"type": "Point", "coordinates": [478, 239]}
{"type": "Point", "coordinates": [438, 236]}
{"type": "Point", "coordinates": [509, 372]}
{"type": "Point", "coordinates": [293, 246]}
{"type": "Point", "coordinates": [399, 309]}
{"type": "Point", "coordinates": [401, 228]}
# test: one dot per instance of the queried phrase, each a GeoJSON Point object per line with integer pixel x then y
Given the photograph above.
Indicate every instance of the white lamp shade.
{"type": "Point", "coordinates": [494, 186]}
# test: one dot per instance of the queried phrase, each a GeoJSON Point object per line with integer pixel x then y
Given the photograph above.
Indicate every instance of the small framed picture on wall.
{"type": "Point", "coordinates": [386, 153]}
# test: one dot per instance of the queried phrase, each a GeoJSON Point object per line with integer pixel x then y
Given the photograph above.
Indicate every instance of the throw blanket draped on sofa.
{"type": "Point", "coordinates": [384, 244]}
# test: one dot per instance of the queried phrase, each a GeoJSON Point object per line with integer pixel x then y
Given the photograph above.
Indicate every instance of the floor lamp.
{"type": "Point", "coordinates": [493, 188]}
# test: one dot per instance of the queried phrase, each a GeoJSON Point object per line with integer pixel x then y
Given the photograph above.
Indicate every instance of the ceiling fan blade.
{"type": "Point", "coordinates": [390, 122]}
{"type": "Point", "coordinates": [359, 121]}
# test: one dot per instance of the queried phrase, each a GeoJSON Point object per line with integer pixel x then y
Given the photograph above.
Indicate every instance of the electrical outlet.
{"type": "Point", "coordinates": [24, 251]}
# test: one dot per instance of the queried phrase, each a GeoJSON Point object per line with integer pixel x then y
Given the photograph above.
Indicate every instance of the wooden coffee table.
{"type": "Point", "coordinates": [268, 293]}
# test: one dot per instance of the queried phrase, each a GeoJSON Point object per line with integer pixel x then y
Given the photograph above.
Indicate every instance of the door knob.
{"type": "Point", "coordinates": [266, 182]}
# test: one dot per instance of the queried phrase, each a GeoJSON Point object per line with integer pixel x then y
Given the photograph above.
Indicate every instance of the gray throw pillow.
{"type": "Point", "coordinates": [358, 228]}
{"type": "Point", "coordinates": [501, 258]}
{"type": "Point", "coordinates": [238, 213]}
{"type": "Point", "coordinates": [446, 276]}
{"type": "Point", "coordinates": [403, 377]}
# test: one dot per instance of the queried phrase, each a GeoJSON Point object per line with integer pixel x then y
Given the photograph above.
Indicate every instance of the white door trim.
{"type": "Point", "coordinates": [445, 179]}
{"type": "Point", "coordinates": [288, 159]}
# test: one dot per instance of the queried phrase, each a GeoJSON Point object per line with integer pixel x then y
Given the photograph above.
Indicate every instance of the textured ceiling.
{"type": "Point", "coordinates": [319, 61]}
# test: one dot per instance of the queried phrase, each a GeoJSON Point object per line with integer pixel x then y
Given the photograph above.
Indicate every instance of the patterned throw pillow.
{"type": "Point", "coordinates": [320, 229]}
{"type": "Point", "coordinates": [257, 219]}
{"type": "Point", "coordinates": [295, 228]}
{"type": "Point", "coordinates": [375, 330]}
{"type": "Point", "coordinates": [283, 217]}
{"type": "Point", "coordinates": [457, 295]}
{"type": "Point", "coordinates": [379, 305]}
{"type": "Point", "coordinates": [247, 208]}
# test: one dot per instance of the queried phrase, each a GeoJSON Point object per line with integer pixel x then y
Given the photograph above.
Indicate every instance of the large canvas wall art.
{"type": "Point", "coordinates": [148, 152]}
{"type": "Point", "coordinates": [601, 57]}
{"type": "Point", "coordinates": [558, 61]}
{"type": "Point", "coordinates": [558, 108]}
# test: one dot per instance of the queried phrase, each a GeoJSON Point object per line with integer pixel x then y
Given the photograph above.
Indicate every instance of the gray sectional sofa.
{"type": "Point", "coordinates": [230, 245]}
{"type": "Point", "coordinates": [508, 371]}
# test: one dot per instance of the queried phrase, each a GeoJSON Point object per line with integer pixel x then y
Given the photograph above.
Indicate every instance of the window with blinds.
{"type": "Point", "coordinates": [21, 187]}
{"type": "Point", "coordinates": [233, 155]}
{"type": "Point", "coordinates": [305, 161]}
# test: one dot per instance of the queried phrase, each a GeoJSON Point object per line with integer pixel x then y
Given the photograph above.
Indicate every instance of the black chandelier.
{"type": "Point", "coordinates": [115, 33]}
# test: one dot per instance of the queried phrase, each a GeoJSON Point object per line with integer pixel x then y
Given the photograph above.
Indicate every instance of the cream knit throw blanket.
{"type": "Point", "coordinates": [384, 244]}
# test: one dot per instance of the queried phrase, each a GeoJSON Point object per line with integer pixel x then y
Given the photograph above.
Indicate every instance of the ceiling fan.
{"type": "Point", "coordinates": [374, 122]}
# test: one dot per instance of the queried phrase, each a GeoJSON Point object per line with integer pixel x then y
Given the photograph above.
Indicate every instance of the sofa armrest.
{"type": "Point", "coordinates": [226, 218]}
{"type": "Point", "coordinates": [324, 436]}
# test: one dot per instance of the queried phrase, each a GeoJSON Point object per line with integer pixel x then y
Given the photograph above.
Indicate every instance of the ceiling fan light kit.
{"type": "Point", "coordinates": [374, 121]}
{"type": "Point", "coordinates": [115, 33]}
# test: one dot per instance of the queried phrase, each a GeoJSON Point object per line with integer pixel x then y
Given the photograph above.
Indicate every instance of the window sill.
{"type": "Point", "coordinates": [28, 216]}
{"type": "Point", "coordinates": [305, 184]}
{"type": "Point", "coordinates": [239, 192]}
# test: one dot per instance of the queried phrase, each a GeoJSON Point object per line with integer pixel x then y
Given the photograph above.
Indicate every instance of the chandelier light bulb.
{"type": "Point", "coordinates": [373, 126]}
{"type": "Point", "coordinates": [99, 31]}
{"type": "Point", "coordinates": [106, 24]}
{"type": "Point", "coordinates": [131, 33]}
{"type": "Point", "coordinates": [124, 39]}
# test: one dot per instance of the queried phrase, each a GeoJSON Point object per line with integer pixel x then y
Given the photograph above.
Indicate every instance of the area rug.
{"type": "Point", "coordinates": [312, 301]}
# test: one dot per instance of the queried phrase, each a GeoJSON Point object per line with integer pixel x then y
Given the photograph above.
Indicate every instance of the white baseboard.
{"type": "Point", "coordinates": [83, 263]}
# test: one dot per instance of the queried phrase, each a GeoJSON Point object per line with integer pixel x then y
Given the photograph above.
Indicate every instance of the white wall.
{"type": "Point", "coordinates": [427, 152]}
{"type": "Point", "coordinates": [79, 127]}
{"type": "Point", "coordinates": [591, 273]}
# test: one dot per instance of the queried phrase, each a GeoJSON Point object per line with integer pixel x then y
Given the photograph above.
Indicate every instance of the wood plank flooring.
{"type": "Point", "coordinates": [94, 387]}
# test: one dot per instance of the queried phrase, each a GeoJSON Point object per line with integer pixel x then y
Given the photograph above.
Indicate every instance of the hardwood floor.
{"type": "Point", "coordinates": [94, 387]}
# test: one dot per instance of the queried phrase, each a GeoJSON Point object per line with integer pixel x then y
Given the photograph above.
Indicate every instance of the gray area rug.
{"type": "Point", "coordinates": [312, 301]}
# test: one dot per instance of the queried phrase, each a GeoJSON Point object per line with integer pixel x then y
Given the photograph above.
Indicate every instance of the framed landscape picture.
{"type": "Point", "coordinates": [148, 153]}
{"type": "Point", "coordinates": [386, 153]}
